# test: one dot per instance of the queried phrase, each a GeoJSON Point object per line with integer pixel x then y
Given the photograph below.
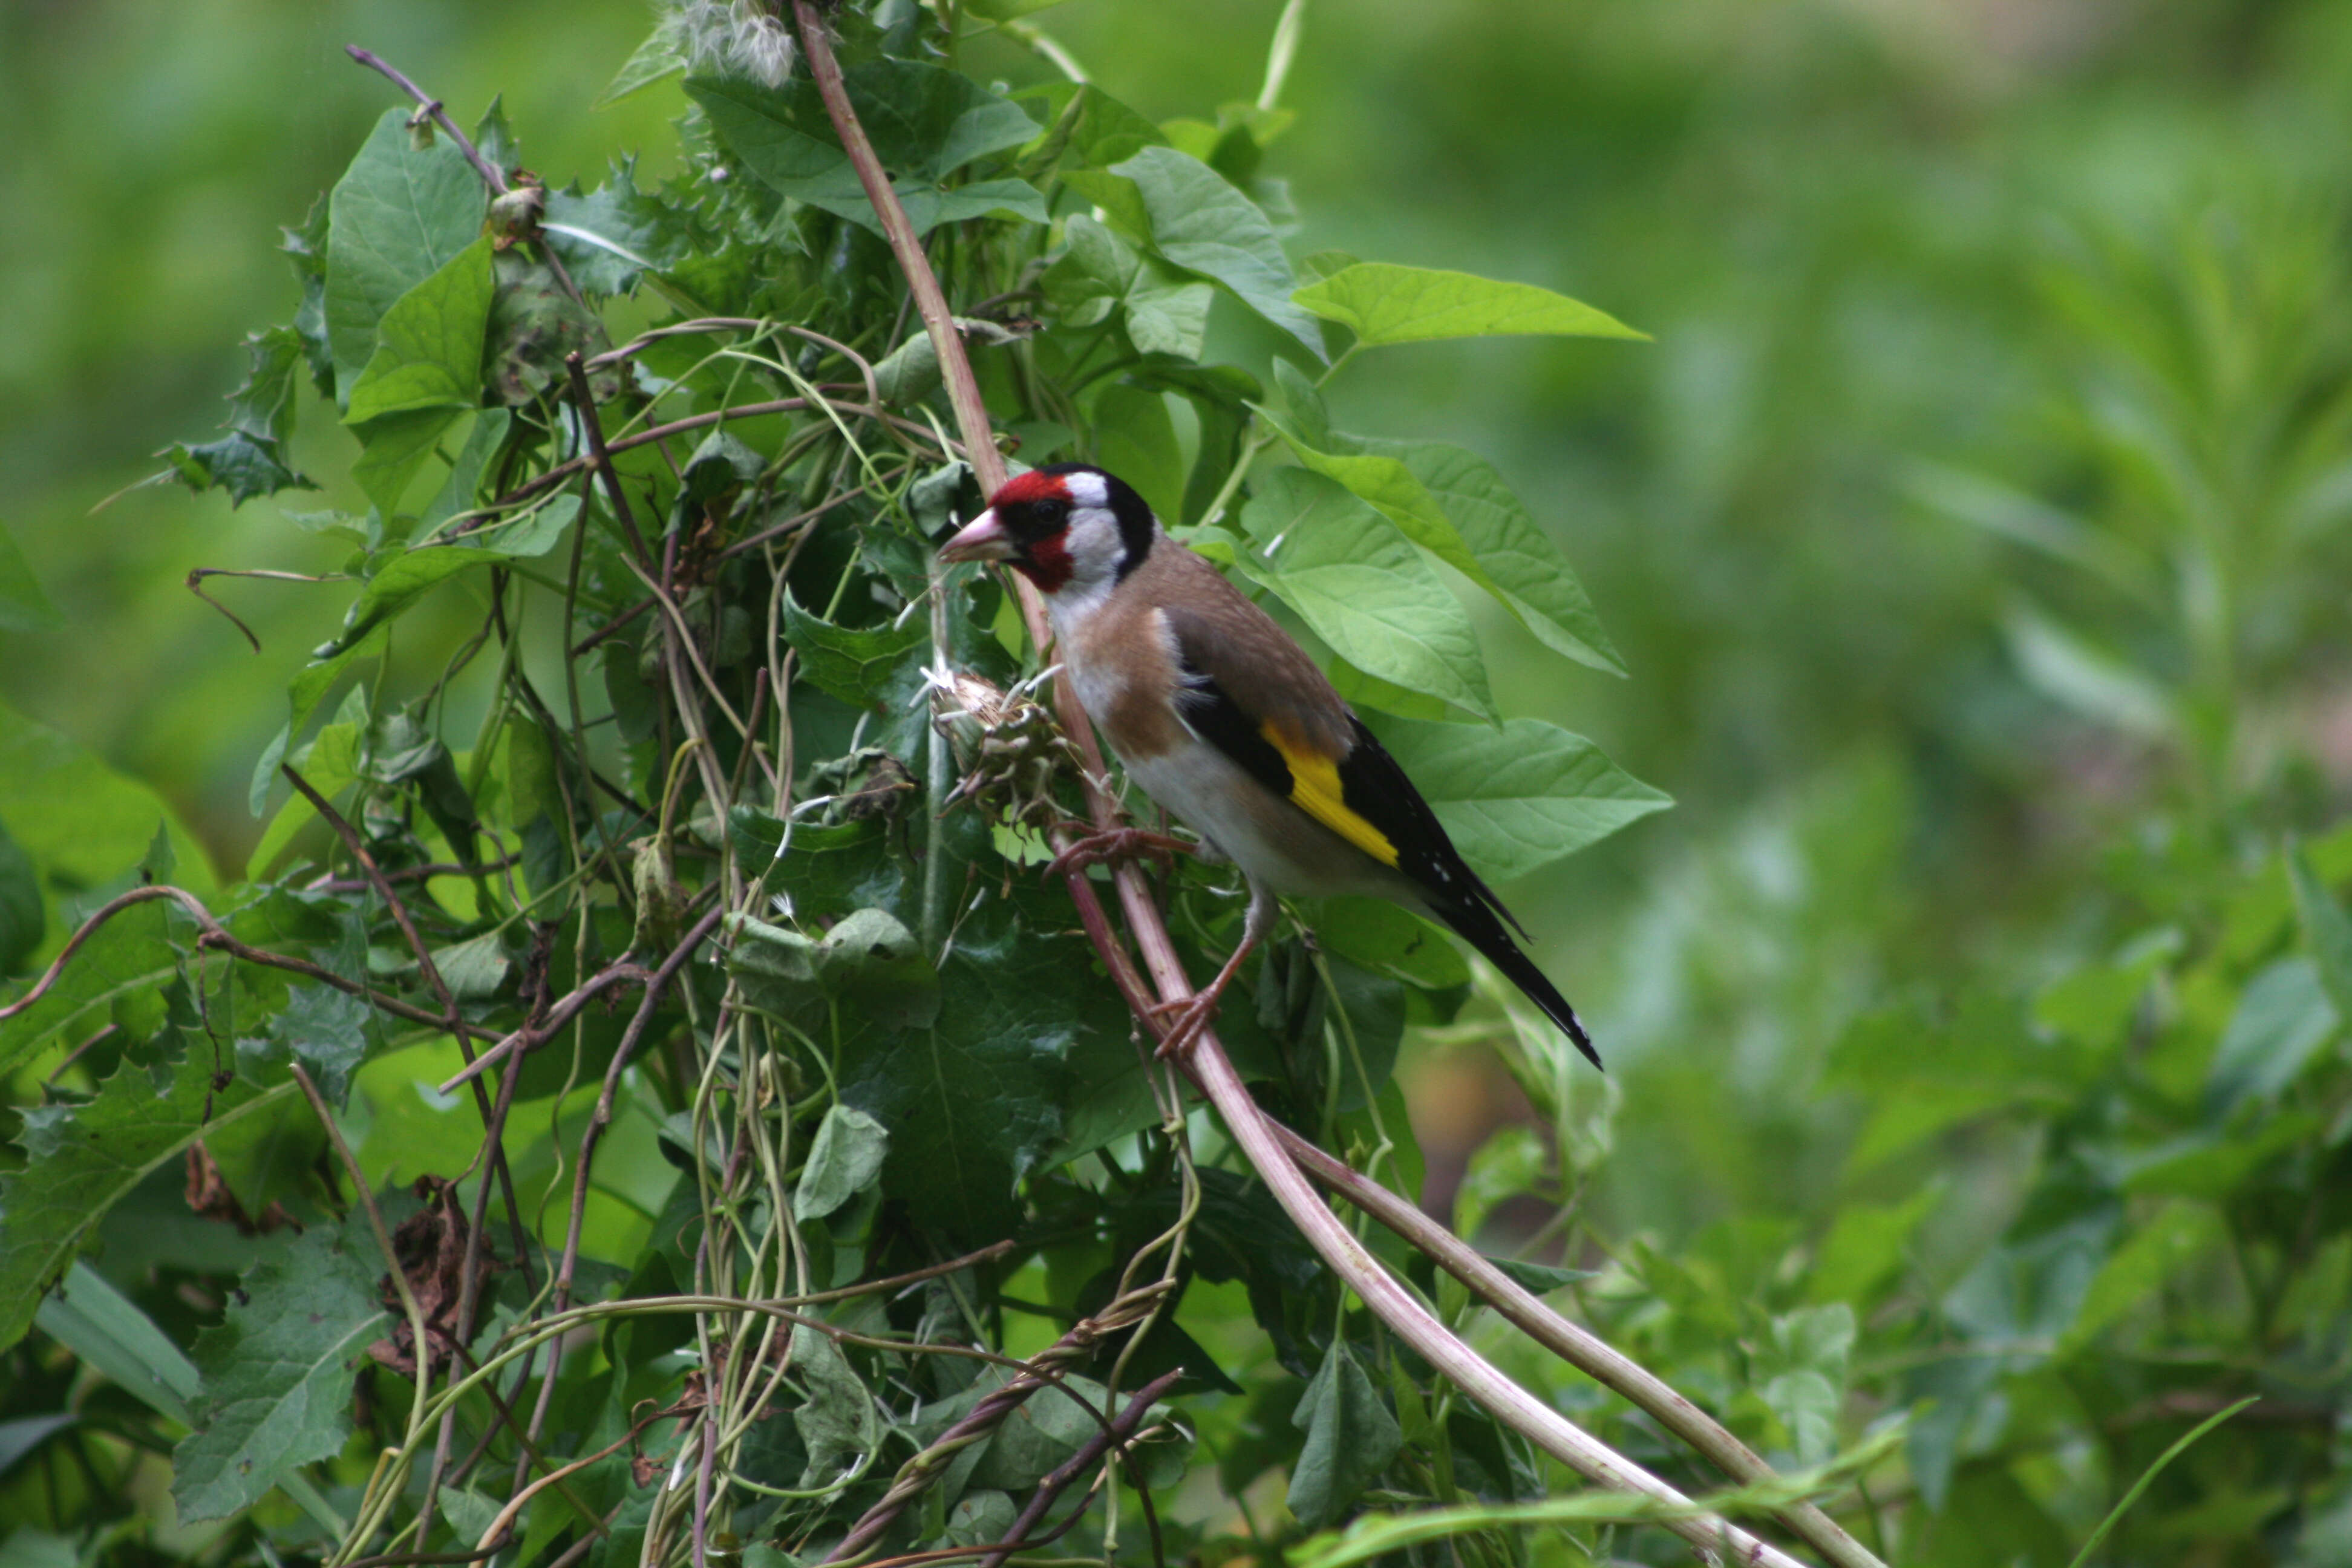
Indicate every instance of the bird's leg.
{"type": "Point", "coordinates": [1193, 1013]}
{"type": "Point", "coordinates": [1106, 843]}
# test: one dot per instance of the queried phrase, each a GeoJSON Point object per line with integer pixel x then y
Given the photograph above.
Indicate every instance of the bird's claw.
{"type": "Point", "coordinates": [1191, 1014]}
{"type": "Point", "coordinates": [1110, 844]}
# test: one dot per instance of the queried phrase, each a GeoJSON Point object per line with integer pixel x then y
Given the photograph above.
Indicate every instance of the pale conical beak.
{"type": "Point", "coordinates": [982, 539]}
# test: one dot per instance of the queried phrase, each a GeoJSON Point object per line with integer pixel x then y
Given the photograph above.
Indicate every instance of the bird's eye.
{"type": "Point", "coordinates": [1053, 511]}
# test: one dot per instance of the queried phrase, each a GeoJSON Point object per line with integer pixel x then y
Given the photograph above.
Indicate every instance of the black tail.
{"type": "Point", "coordinates": [1479, 920]}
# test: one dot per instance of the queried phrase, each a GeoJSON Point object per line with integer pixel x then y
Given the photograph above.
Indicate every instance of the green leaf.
{"type": "Point", "coordinates": [1164, 311]}
{"type": "Point", "coordinates": [1521, 565]}
{"type": "Point", "coordinates": [1390, 940]}
{"type": "Point", "coordinates": [278, 1371]}
{"type": "Point", "coordinates": [250, 461]}
{"type": "Point", "coordinates": [2158, 1249]}
{"type": "Point", "coordinates": [110, 1333]}
{"type": "Point", "coordinates": [1507, 1165]}
{"type": "Point", "coordinates": [2071, 670]}
{"type": "Point", "coordinates": [398, 215]}
{"type": "Point", "coordinates": [23, 607]}
{"type": "Point", "coordinates": [856, 664]}
{"type": "Point", "coordinates": [399, 582]}
{"type": "Point", "coordinates": [662, 54]}
{"type": "Point", "coordinates": [328, 1032]}
{"type": "Point", "coordinates": [1539, 1278]}
{"type": "Point", "coordinates": [1194, 218]}
{"type": "Point", "coordinates": [461, 490]}
{"type": "Point", "coordinates": [1041, 1433]}
{"type": "Point", "coordinates": [615, 234]}
{"type": "Point", "coordinates": [2327, 933]}
{"type": "Point", "coordinates": [836, 1421]}
{"type": "Point", "coordinates": [844, 1158]}
{"type": "Point", "coordinates": [1350, 1438]}
{"type": "Point", "coordinates": [925, 123]}
{"type": "Point", "coordinates": [23, 917]}
{"type": "Point", "coordinates": [1136, 439]}
{"type": "Point", "coordinates": [428, 351]}
{"type": "Point", "coordinates": [1359, 585]}
{"type": "Point", "coordinates": [1384, 303]}
{"type": "Point", "coordinates": [1520, 796]}
{"type": "Point", "coordinates": [1867, 1244]}
{"type": "Point", "coordinates": [869, 963]}
{"type": "Point", "coordinates": [80, 1161]}
{"type": "Point", "coordinates": [1802, 1370]}
{"type": "Point", "coordinates": [83, 824]}
{"type": "Point", "coordinates": [396, 449]}
{"type": "Point", "coordinates": [2282, 1018]}
{"type": "Point", "coordinates": [976, 1101]}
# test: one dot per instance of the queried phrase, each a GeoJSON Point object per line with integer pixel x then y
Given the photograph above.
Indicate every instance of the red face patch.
{"type": "Point", "coordinates": [1028, 489]}
{"type": "Point", "coordinates": [1047, 562]}
{"type": "Point", "coordinates": [1034, 512]}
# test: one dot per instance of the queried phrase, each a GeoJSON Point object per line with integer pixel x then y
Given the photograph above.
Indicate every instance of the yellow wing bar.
{"type": "Point", "coordinates": [1315, 789]}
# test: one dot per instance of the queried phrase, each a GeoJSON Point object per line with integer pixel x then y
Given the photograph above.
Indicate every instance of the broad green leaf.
{"type": "Point", "coordinates": [1539, 1278]}
{"type": "Point", "coordinates": [2159, 1248]}
{"type": "Point", "coordinates": [868, 963]}
{"type": "Point", "coordinates": [1521, 796]}
{"type": "Point", "coordinates": [2327, 933]}
{"type": "Point", "coordinates": [1509, 1163]}
{"type": "Point", "coordinates": [1383, 482]}
{"type": "Point", "coordinates": [2068, 668]}
{"type": "Point", "coordinates": [1390, 940]}
{"type": "Point", "coordinates": [1192, 217]}
{"type": "Point", "coordinates": [277, 1370]}
{"type": "Point", "coordinates": [836, 1421]}
{"type": "Point", "coordinates": [663, 54]}
{"type": "Point", "coordinates": [1359, 585]}
{"type": "Point", "coordinates": [1362, 690]}
{"type": "Point", "coordinates": [128, 956]}
{"type": "Point", "coordinates": [845, 1157]}
{"type": "Point", "coordinates": [400, 581]}
{"type": "Point", "coordinates": [2282, 1018]}
{"type": "Point", "coordinates": [460, 490]}
{"type": "Point", "coordinates": [1164, 311]}
{"type": "Point", "coordinates": [23, 607]}
{"type": "Point", "coordinates": [23, 917]}
{"type": "Point", "coordinates": [396, 449]}
{"type": "Point", "coordinates": [398, 215]}
{"type": "Point", "coordinates": [81, 825]}
{"type": "Point", "coordinates": [428, 351]}
{"type": "Point", "coordinates": [1136, 439]}
{"type": "Point", "coordinates": [1522, 567]}
{"type": "Point", "coordinates": [109, 1333]}
{"type": "Point", "coordinates": [1043, 1432]}
{"type": "Point", "coordinates": [326, 1030]}
{"type": "Point", "coordinates": [1384, 303]}
{"type": "Point", "coordinates": [250, 461]}
{"type": "Point", "coordinates": [82, 1160]}
{"type": "Point", "coordinates": [1350, 1438]}
{"type": "Point", "coordinates": [1867, 1244]}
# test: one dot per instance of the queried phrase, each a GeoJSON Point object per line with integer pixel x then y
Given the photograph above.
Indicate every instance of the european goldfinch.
{"type": "Point", "coordinates": [1225, 722]}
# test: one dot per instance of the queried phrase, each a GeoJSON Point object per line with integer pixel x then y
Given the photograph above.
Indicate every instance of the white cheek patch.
{"type": "Point", "coordinates": [1086, 489]}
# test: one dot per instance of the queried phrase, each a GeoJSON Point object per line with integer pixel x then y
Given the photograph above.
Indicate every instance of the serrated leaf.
{"type": "Point", "coordinates": [844, 1158]}
{"type": "Point", "coordinates": [1522, 567]}
{"type": "Point", "coordinates": [855, 664]}
{"type": "Point", "coordinates": [80, 1161]}
{"type": "Point", "coordinates": [428, 349]}
{"type": "Point", "coordinates": [1520, 796]}
{"type": "Point", "coordinates": [1359, 585]}
{"type": "Point", "coordinates": [278, 1371]}
{"type": "Point", "coordinates": [1350, 1438]}
{"type": "Point", "coordinates": [250, 461]}
{"type": "Point", "coordinates": [398, 215]}
{"type": "Point", "coordinates": [1384, 303]}
{"type": "Point", "coordinates": [614, 235]}
{"type": "Point", "coordinates": [1194, 218]}
{"type": "Point", "coordinates": [925, 123]}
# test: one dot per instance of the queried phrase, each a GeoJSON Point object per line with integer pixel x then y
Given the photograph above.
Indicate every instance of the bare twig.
{"type": "Point", "coordinates": [491, 174]}
{"type": "Point", "coordinates": [1121, 1429]}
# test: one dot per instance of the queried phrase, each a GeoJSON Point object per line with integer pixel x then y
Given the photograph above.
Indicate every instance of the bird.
{"type": "Point", "coordinates": [1221, 718]}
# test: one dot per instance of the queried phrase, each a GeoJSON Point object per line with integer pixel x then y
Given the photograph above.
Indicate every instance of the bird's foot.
{"type": "Point", "coordinates": [1184, 1020]}
{"type": "Point", "coordinates": [1105, 845]}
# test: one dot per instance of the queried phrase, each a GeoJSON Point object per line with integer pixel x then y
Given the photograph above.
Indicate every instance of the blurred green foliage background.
{"type": "Point", "coordinates": [1975, 528]}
